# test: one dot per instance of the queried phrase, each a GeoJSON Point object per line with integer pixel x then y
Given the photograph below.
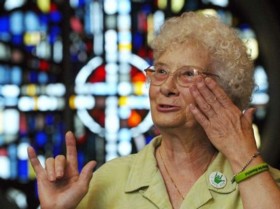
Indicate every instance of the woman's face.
{"type": "Point", "coordinates": [170, 101]}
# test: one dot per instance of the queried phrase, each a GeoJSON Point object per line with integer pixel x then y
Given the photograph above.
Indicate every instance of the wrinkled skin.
{"type": "Point", "coordinates": [60, 185]}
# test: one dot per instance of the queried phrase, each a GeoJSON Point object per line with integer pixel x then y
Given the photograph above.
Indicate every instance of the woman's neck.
{"type": "Point", "coordinates": [181, 161]}
{"type": "Point", "coordinates": [192, 151]}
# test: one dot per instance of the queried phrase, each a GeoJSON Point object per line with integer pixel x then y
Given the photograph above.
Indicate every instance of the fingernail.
{"type": "Point", "coordinates": [59, 174]}
{"type": "Point", "coordinates": [208, 80]}
{"type": "Point", "coordinates": [192, 107]}
{"type": "Point", "coordinates": [51, 177]}
{"type": "Point", "coordinates": [199, 79]}
{"type": "Point", "coordinates": [193, 88]}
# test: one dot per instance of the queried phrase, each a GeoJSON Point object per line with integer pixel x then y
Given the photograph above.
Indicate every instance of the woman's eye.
{"type": "Point", "coordinates": [160, 71]}
{"type": "Point", "coordinates": [188, 73]}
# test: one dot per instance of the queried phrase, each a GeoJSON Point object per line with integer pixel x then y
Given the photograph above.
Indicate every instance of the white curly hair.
{"type": "Point", "coordinates": [228, 53]}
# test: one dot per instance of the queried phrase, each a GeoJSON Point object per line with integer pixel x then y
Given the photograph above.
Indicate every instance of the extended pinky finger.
{"type": "Point", "coordinates": [34, 161]}
{"type": "Point", "coordinates": [199, 116]}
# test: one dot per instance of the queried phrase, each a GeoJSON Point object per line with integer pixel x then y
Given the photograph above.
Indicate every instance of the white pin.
{"type": "Point", "coordinates": [217, 179]}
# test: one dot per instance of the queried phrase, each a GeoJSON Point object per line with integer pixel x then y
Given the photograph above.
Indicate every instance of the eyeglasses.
{"type": "Point", "coordinates": [157, 75]}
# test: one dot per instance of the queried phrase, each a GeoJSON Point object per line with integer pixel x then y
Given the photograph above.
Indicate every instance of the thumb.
{"type": "Point", "coordinates": [249, 114]}
{"type": "Point", "coordinates": [86, 173]}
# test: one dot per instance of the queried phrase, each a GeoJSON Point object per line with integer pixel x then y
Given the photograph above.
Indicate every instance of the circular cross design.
{"type": "Point", "coordinates": [83, 87]}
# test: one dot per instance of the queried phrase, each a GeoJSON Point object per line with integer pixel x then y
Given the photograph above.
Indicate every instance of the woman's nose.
{"type": "Point", "coordinates": [169, 86]}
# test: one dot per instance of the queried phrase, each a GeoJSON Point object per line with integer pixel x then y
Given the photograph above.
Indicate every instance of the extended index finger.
{"type": "Point", "coordinates": [71, 150]}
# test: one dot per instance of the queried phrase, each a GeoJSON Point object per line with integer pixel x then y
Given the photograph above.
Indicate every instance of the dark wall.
{"type": "Point", "coordinates": [264, 17]}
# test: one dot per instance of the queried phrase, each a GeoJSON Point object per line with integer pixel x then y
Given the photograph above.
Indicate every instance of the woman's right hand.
{"type": "Point", "coordinates": [60, 185]}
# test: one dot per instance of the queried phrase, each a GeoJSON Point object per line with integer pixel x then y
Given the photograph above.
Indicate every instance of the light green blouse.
{"type": "Point", "coordinates": [134, 182]}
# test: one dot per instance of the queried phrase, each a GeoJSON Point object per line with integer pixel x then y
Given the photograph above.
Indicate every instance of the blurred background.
{"type": "Point", "coordinates": [78, 65]}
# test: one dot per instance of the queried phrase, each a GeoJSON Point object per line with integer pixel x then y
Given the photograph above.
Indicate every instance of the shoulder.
{"type": "Point", "coordinates": [120, 168]}
{"type": "Point", "coordinates": [107, 183]}
{"type": "Point", "coordinates": [115, 168]}
{"type": "Point", "coordinates": [115, 178]}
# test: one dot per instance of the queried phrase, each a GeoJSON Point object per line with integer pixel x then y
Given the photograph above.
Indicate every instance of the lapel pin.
{"type": "Point", "coordinates": [217, 179]}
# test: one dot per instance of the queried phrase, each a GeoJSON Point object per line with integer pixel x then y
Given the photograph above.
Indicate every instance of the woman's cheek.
{"type": "Point", "coordinates": [190, 120]}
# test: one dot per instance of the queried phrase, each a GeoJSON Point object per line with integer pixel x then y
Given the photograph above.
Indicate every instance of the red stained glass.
{"type": "Point", "coordinates": [98, 75]}
{"type": "Point", "coordinates": [99, 116]}
{"type": "Point", "coordinates": [44, 65]}
{"type": "Point", "coordinates": [134, 119]}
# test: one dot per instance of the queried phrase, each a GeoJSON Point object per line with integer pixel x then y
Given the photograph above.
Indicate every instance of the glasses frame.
{"type": "Point", "coordinates": [197, 71]}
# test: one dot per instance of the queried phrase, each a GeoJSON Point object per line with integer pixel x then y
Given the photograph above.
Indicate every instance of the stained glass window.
{"type": "Point", "coordinates": [78, 65]}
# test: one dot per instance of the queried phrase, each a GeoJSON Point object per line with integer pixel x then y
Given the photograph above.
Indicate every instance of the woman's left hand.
{"type": "Point", "coordinates": [229, 130]}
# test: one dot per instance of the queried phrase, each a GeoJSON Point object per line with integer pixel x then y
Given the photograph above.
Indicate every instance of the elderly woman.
{"type": "Point", "coordinates": [205, 157]}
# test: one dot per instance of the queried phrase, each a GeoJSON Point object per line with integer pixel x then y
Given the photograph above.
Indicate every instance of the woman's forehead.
{"type": "Point", "coordinates": [180, 55]}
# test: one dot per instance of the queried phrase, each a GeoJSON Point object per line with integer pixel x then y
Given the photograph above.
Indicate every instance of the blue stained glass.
{"type": "Point", "coordinates": [12, 152]}
{"type": "Point", "coordinates": [4, 24]}
{"type": "Point", "coordinates": [124, 37]}
{"type": "Point", "coordinates": [57, 150]}
{"type": "Point", "coordinates": [7, 75]}
{"type": "Point", "coordinates": [16, 20]}
{"type": "Point", "coordinates": [74, 58]}
{"type": "Point", "coordinates": [17, 39]}
{"type": "Point", "coordinates": [33, 77]}
{"type": "Point", "coordinates": [147, 8]}
{"type": "Point", "coordinates": [44, 21]}
{"type": "Point", "coordinates": [31, 22]}
{"type": "Point", "coordinates": [23, 170]}
{"type": "Point", "coordinates": [52, 78]}
{"type": "Point", "coordinates": [42, 77]}
{"type": "Point", "coordinates": [5, 37]}
{"type": "Point", "coordinates": [11, 101]}
{"type": "Point", "coordinates": [54, 33]}
{"type": "Point", "coordinates": [74, 3]}
{"type": "Point", "coordinates": [16, 75]}
{"type": "Point", "coordinates": [55, 16]}
{"type": "Point", "coordinates": [29, 48]}
{"type": "Point", "coordinates": [124, 6]}
{"type": "Point", "coordinates": [1, 136]}
{"type": "Point", "coordinates": [148, 139]}
{"type": "Point", "coordinates": [13, 168]}
{"type": "Point", "coordinates": [55, 30]}
{"type": "Point", "coordinates": [4, 74]}
{"type": "Point", "coordinates": [41, 138]}
{"type": "Point", "coordinates": [58, 140]}
{"type": "Point", "coordinates": [138, 40]}
{"type": "Point", "coordinates": [88, 25]}
{"type": "Point", "coordinates": [78, 3]}
{"type": "Point", "coordinates": [81, 160]}
{"type": "Point", "coordinates": [49, 119]}
{"type": "Point", "coordinates": [31, 124]}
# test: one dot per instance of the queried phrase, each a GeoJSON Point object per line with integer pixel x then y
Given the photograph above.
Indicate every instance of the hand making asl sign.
{"type": "Point", "coordinates": [60, 184]}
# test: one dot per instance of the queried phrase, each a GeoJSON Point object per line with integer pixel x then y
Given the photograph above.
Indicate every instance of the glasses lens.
{"type": "Point", "coordinates": [159, 75]}
{"type": "Point", "coordinates": [186, 76]}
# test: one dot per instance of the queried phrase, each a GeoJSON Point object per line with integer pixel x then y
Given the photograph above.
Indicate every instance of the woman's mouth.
{"type": "Point", "coordinates": [167, 108]}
